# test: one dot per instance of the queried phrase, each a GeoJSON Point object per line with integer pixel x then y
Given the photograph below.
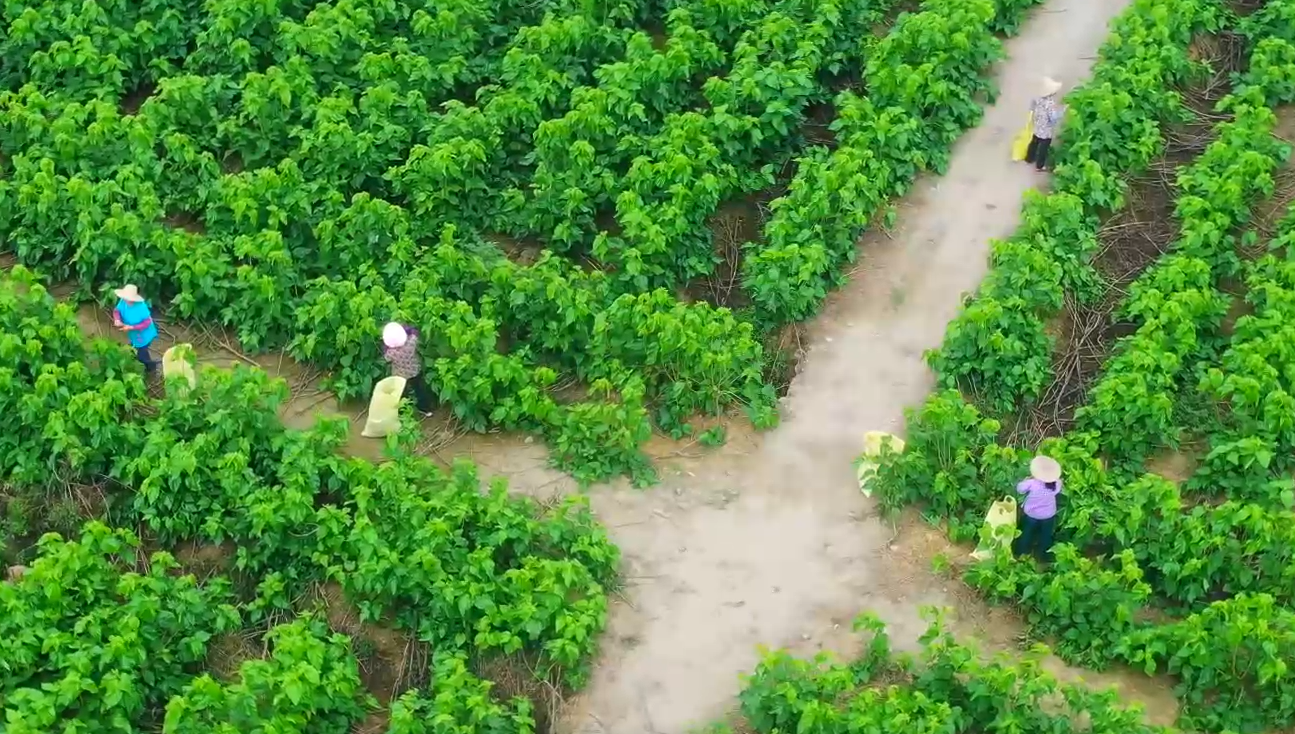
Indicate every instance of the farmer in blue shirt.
{"type": "Point", "coordinates": [133, 317]}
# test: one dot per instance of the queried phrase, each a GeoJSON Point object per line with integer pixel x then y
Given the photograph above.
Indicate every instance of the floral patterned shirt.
{"type": "Point", "coordinates": [404, 360]}
{"type": "Point", "coordinates": [1046, 116]}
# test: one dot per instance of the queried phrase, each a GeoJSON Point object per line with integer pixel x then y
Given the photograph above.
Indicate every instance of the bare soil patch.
{"type": "Point", "coordinates": [1176, 466]}
{"type": "Point", "coordinates": [136, 98]}
{"type": "Point", "coordinates": [519, 676]}
{"type": "Point", "coordinates": [737, 224]}
{"type": "Point", "coordinates": [226, 652]}
{"type": "Point", "coordinates": [391, 662]}
{"type": "Point", "coordinates": [1224, 56]}
{"type": "Point", "coordinates": [733, 226]}
{"type": "Point", "coordinates": [187, 221]}
{"type": "Point", "coordinates": [818, 125]}
{"type": "Point", "coordinates": [1269, 213]}
{"type": "Point", "coordinates": [785, 349]}
{"type": "Point", "coordinates": [232, 163]}
{"type": "Point", "coordinates": [523, 251]}
{"type": "Point", "coordinates": [1246, 7]}
{"type": "Point", "coordinates": [204, 560]}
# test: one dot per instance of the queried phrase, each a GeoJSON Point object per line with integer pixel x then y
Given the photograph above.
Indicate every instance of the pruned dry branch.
{"type": "Point", "coordinates": [1130, 242]}
{"type": "Point", "coordinates": [520, 675]}
{"type": "Point", "coordinates": [1090, 335]}
{"type": "Point", "coordinates": [728, 239]}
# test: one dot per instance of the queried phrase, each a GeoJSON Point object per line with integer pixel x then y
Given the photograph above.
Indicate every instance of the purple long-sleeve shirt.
{"type": "Point", "coordinates": [1040, 499]}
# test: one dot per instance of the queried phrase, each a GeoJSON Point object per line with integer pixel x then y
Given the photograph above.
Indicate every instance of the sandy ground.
{"type": "Point", "coordinates": [767, 541]}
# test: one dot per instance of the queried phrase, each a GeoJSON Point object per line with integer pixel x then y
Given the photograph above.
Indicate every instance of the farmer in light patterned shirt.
{"type": "Point", "coordinates": [1046, 114]}
{"type": "Point", "coordinates": [401, 350]}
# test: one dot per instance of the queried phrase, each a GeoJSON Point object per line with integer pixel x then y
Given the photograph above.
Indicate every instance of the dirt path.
{"type": "Point", "coordinates": [767, 541]}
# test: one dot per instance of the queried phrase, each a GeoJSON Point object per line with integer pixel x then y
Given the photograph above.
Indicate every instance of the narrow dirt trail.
{"type": "Point", "coordinates": [768, 540]}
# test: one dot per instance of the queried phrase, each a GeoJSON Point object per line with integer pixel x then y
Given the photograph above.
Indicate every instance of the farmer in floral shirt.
{"type": "Point", "coordinates": [1039, 510]}
{"type": "Point", "coordinates": [401, 351]}
{"type": "Point", "coordinates": [1046, 114]}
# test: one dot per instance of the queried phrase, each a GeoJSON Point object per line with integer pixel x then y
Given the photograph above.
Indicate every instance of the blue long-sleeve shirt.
{"type": "Point", "coordinates": [138, 320]}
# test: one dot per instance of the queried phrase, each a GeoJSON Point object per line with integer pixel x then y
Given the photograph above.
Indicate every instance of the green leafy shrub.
{"type": "Point", "coordinates": [309, 683]}
{"type": "Point", "coordinates": [1231, 661]}
{"type": "Point", "coordinates": [941, 465]}
{"type": "Point", "coordinates": [97, 638]}
{"type": "Point", "coordinates": [1085, 606]}
{"type": "Point", "coordinates": [458, 701]}
{"type": "Point", "coordinates": [946, 687]}
{"type": "Point", "coordinates": [996, 351]}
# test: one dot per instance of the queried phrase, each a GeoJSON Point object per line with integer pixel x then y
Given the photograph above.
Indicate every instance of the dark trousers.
{"type": "Point", "coordinates": [422, 395]}
{"type": "Point", "coordinates": [1036, 537]}
{"type": "Point", "coordinates": [146, 359]}
{"type": "Point", "coordinates": [1037, 153]}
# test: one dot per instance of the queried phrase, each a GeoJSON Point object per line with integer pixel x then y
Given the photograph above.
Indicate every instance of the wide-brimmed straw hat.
{"type": "Point", "coordinates": [1050, 86]}
{"type": "Point", "coordinates": [394, 335]}
{"type": "Point", "coordinates": [129, 293]}
{"type": "Point", "coordinates": [1045, 469]}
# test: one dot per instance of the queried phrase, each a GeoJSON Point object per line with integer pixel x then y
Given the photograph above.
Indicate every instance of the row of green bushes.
{"type": "Point", "coordinates": [93, 645]}
{"type": "Point", "coordinates": [946, 688]}
{"type": "Point", "coordinates": [1148, 574]}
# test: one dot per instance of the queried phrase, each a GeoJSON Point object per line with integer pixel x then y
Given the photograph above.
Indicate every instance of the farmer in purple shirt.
{"type": "Point", "coordinates": [1039, 510]}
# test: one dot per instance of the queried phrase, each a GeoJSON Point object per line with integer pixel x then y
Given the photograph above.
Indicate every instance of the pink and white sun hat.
{"type": "Point", "coordinates": [1045, 469]}
{"type": "Point", "coordinates": [394, 335]}
{"type": "Point", "coordinates": [129, 293]}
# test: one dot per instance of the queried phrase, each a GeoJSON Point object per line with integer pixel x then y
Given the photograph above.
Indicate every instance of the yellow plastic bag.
{"type": "Point", "coordinates": [178, 362]}
{"type": "Point", "coordinates": [384, 408]}
{"type": "Point", "coordinates": [1001, 523]}
{"type": "Point", "coordinates": [867, 466]}
{"type": "Point", "coordinates": [1021, 145]}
